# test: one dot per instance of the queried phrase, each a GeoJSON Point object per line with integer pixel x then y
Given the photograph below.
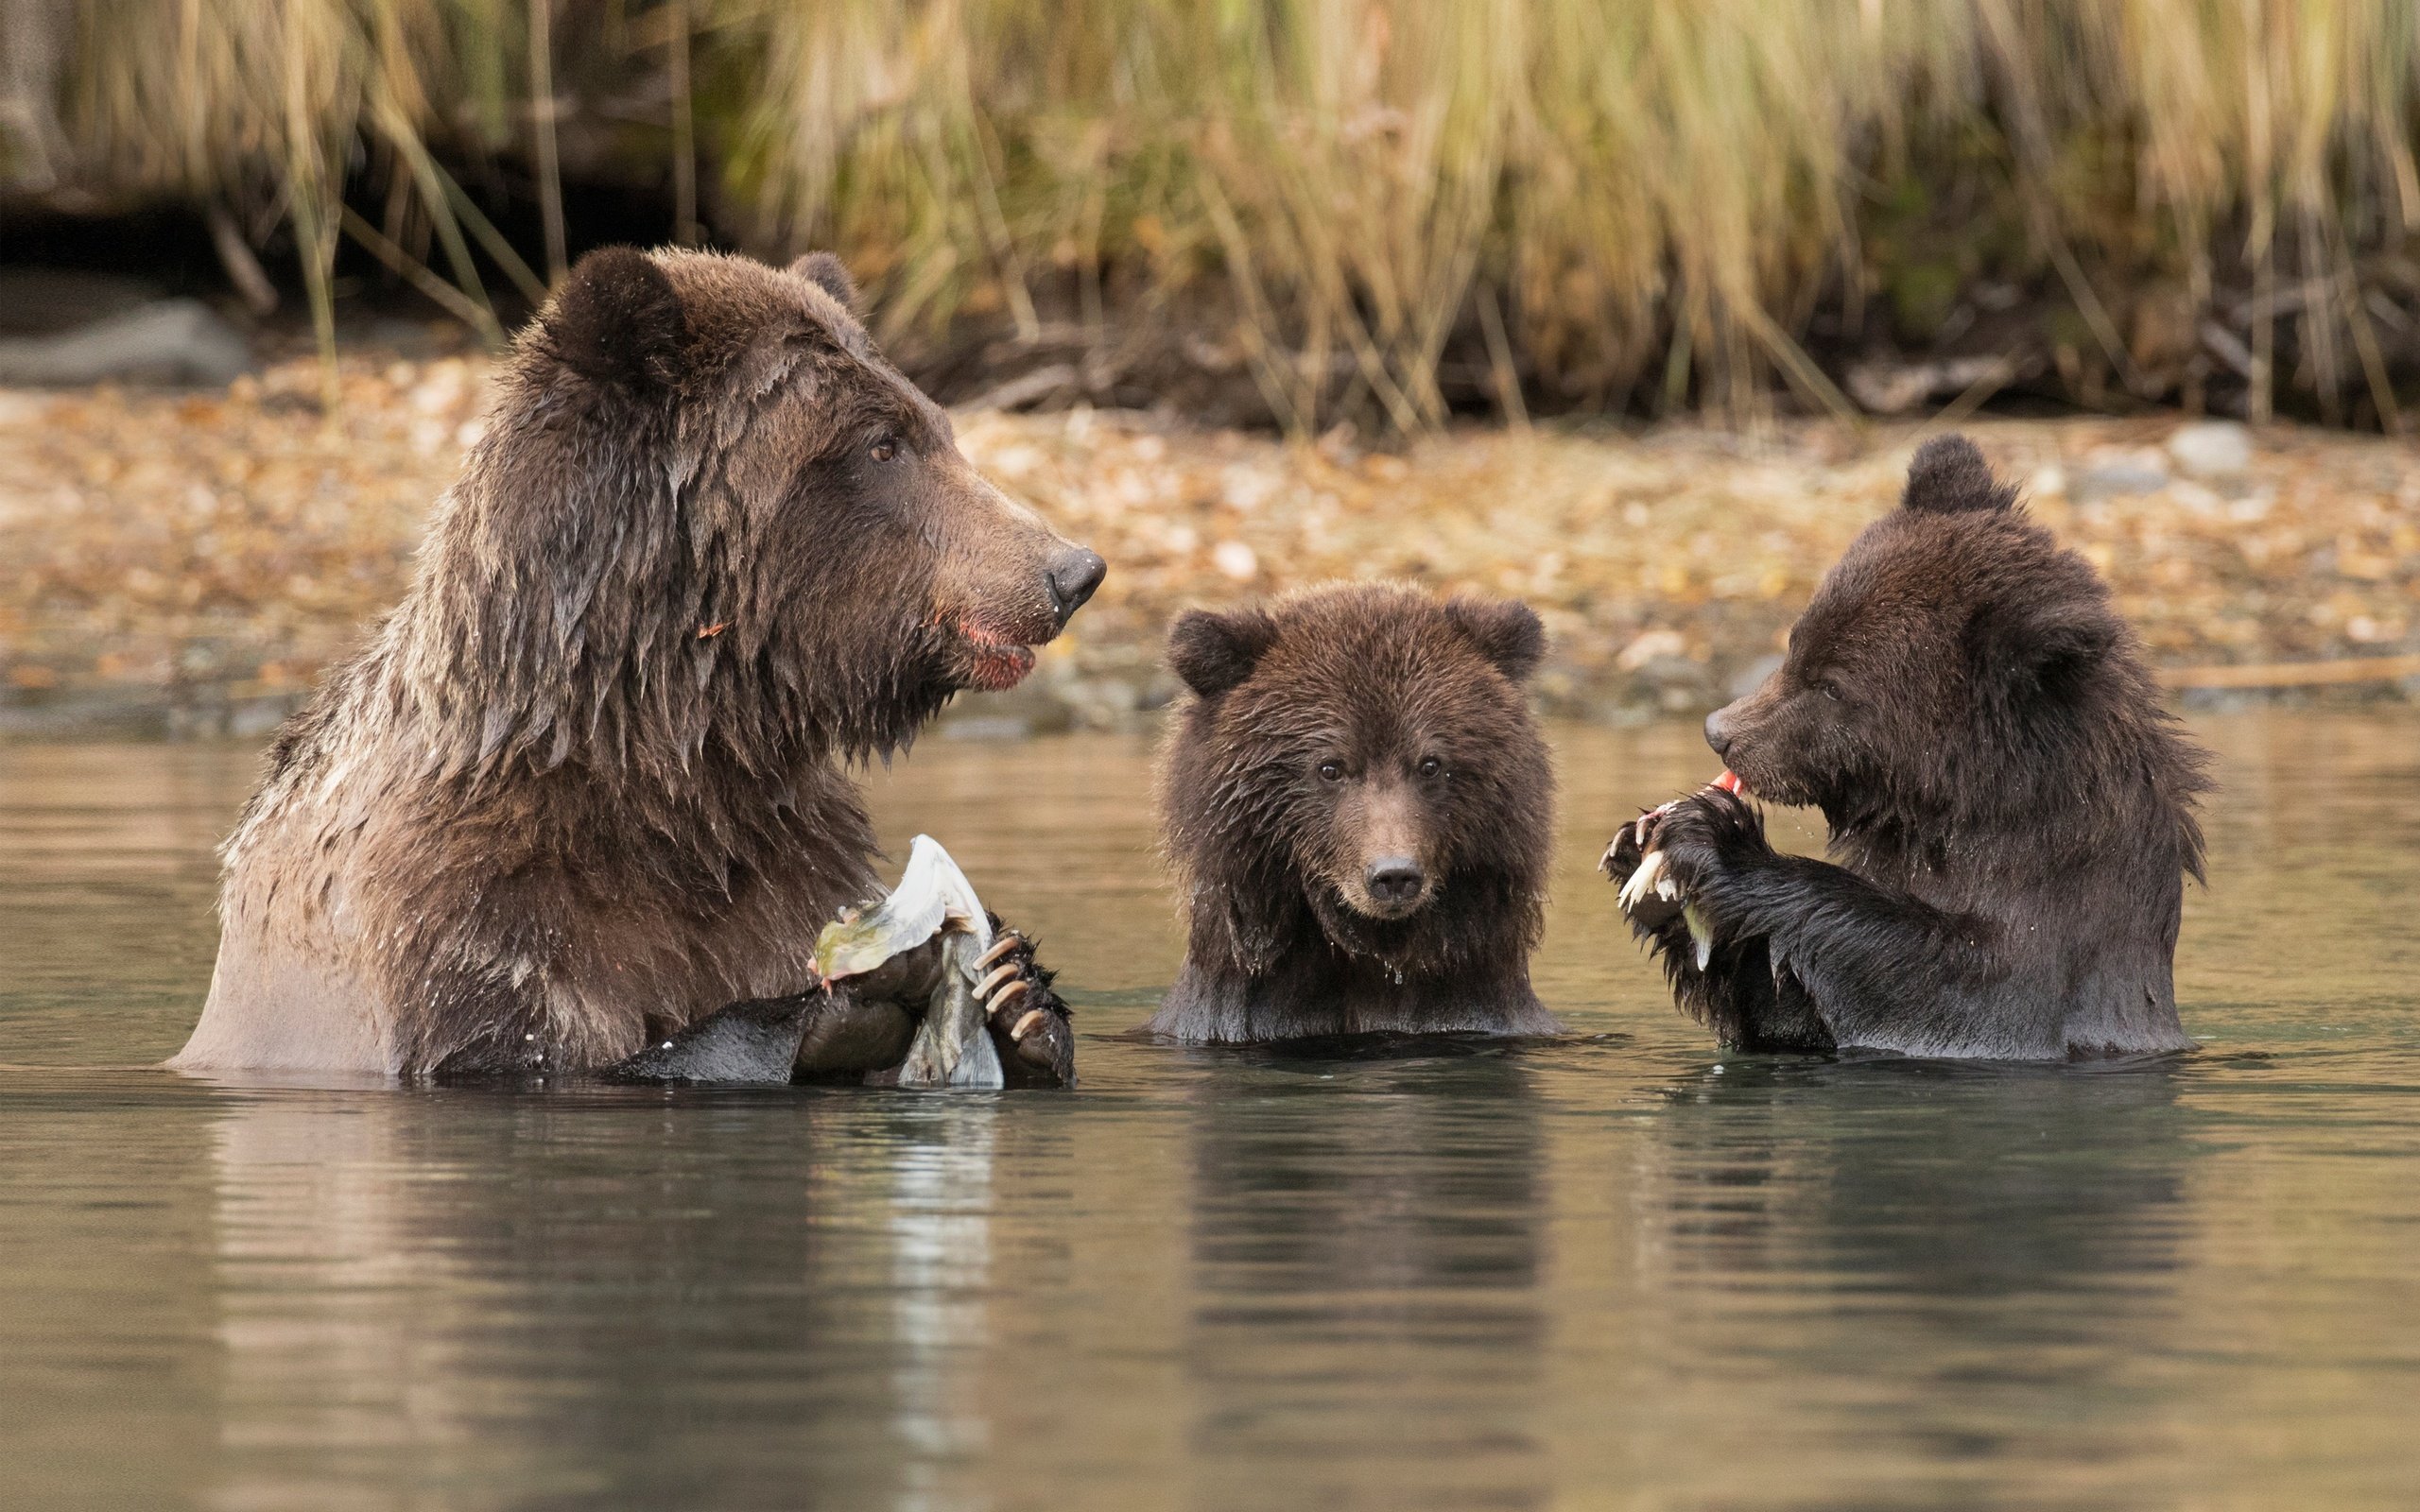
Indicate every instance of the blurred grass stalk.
{"type": "Point", "coordinates": [1643, 195]}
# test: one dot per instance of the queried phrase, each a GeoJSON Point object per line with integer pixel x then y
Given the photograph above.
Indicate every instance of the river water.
{"type": "Point", "coordinates": [1623, 1270]}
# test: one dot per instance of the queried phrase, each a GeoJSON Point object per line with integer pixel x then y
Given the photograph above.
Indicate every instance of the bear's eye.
{"type": "Point", "coordinates": [1431, 767]}
{"type": "Point", "coordinates": [1331, 771]}
{"type": "Point", "coordinates": [885, 447]}
{"type": "Point", "coordinates": [1831, 690]}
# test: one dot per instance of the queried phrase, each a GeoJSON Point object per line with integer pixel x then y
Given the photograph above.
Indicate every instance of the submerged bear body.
{"type": "Point", "coordinates": [1357, 806]}
{"type": "Point", "coordinates": [586, 785]}
{"type": "Point", "coordinates": [2010, 809]}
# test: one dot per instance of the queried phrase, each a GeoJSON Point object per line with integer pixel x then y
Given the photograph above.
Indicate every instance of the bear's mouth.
{"type": "Point", "coordinates": [1363, 926]}
{"type": "Point", "coordinates": [1384, 912]}
{"type": "Point", "coordinates": [987, 658]}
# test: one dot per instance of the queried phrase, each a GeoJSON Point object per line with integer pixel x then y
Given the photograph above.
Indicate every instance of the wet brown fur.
{"type": "Point", "coordinates": [588, 782]}
{"type": "Point", "coordinates": [2011, 809]}
{"type": "Point", "coordinates": [1285, 939]}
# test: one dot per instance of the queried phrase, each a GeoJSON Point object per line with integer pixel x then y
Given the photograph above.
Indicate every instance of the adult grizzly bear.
{"type": "Point", "coordinates": [2010, 809]}
{"type": "Point", "coordinates": [586, 785]}
{"type": "Point", "coordinates": [1359, 809]}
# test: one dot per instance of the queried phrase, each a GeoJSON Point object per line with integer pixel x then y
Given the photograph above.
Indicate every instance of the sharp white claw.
{"type": "Point", "coordinates": [984, 989]}
{"type": "Point", "coordinates": [1009, 994]}
{"type": "Point", "coordinates": [1025, 1025]}
{"type": "Point", "coordinates": [1007, 943]}
{"type": "Point", "coordinates": [1651, 866]}
{"type": "Point", "coordinates": [1699, 932]}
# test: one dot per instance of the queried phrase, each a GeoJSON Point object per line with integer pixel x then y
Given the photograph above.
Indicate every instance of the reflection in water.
{"type": "Point", "coordinates": [1365, 1258]}
{"type": "Point", "coordinates": [531, 1299]}
{"type": "Point", "coordinates": [1958, 1181]}
{"type": "Point", "coordinates": [1921, 1264]}
{"type": "Point", "coordinates": [941, 1269]}
{"type": "Point", "coordinates": [1623, 1269]}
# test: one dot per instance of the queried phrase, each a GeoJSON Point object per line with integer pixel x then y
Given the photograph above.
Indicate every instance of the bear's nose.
{"type": "Point", "coordinates": [1073, 577]}
{"type": "Point", "coordinates": [1395, 879]}
{"type": "Point", "coordinates": [1717, 730]}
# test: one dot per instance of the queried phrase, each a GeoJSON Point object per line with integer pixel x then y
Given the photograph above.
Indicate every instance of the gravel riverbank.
{"type": "Point", "coordinates": [187, 562]}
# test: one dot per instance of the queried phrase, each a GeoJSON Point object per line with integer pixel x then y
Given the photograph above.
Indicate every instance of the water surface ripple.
{"type": "Point", "coordinates": [1622, 1269]}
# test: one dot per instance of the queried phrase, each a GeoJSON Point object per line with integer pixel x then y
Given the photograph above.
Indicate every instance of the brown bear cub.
{"type": "Point", "coordinates": [2012, 810]}
{"type": "Point", "coordinates": [586, 788]}
{"type": "Point", "coordinates": [1358, 808]}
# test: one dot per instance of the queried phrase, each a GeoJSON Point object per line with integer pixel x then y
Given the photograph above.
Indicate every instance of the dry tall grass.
{"type": "Point", "coordinates": [1632, 200]}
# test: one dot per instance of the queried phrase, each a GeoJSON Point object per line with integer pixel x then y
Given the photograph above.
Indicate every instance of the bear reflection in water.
{"type": "Point", "coordinates": [694, 1297]}
{"type": "Point", "coordinates": [1370, 1297]}
{"type": "Point", "coordinates": [1942, 1236]}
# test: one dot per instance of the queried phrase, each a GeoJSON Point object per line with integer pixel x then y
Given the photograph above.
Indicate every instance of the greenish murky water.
{"type": "Point", "coordinates": [1624, 1270]}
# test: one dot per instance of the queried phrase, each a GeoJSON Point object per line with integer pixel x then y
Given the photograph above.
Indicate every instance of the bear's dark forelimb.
{"type": "Point", "coordinates": [1029, 1024]}
{"type": "Point", "coordinates": [1874, 966]}
{"type": "Point", "coordinates": [840, 1033]}
{"type": "Point", "coordinates": [858, 1030]}
{"type": "Point", "coordinates": [1737, 992]}
{"type": "Point", "coordinates": [745, 1044]}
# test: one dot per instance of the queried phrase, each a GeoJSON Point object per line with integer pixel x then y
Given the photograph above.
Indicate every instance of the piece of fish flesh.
{"type": "Point", "coordinates": [933, 897]}
{"type": "Point", "coordinates": [1652, 876]}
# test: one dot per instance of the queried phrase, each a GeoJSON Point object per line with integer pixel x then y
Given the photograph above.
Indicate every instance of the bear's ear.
{"type": "Point", "coordinates": [2052, 649]}
{"type": "Point", "coordinates": [1948, 475]}
{"type": "Point", "coordinates": [1215, 652]}
{"type": "Point", "coordinates": [824, 271]}
{"type": "Point", "coordinates": [1505, 632]}
{"type": "Point", "coordinates": [617, 320]}
{"type": "Point", "coordinates": [2064, 654]}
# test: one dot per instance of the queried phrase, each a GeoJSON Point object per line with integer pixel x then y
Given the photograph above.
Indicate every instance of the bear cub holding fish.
{"type": "Point", "coordinates": [1358, 808]}
{"type": "Point", "coordinates": [2012, 810]}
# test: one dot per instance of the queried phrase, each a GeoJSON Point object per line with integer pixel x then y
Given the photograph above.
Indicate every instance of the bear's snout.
{"type": "Point", "coordinates": [1073, 575]}
{"type": "Point", "coordinates": [1395, 881]}
{"type": "Point", "coordinates": [1718, 729]}
{"type": "Point", "coordinates": [1389, 838]}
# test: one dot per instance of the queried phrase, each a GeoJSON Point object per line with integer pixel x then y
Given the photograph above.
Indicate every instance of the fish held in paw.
{"type": "Point", "coordinates": [933, 901]}
{"type": "Point", "coordinates": [1654, 894]}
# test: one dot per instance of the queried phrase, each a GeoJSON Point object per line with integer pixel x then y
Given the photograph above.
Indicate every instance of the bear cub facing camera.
{"type": "Point", "coordinates": [2010, 809]}
{"type": "Point", "coordinates": [1358, 808]}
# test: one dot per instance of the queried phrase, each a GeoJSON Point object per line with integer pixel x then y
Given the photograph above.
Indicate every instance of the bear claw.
{"type": "Point", "coordinates": [1650, 871]}
{"type": "Point", "coordinates": [1698, 934]}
